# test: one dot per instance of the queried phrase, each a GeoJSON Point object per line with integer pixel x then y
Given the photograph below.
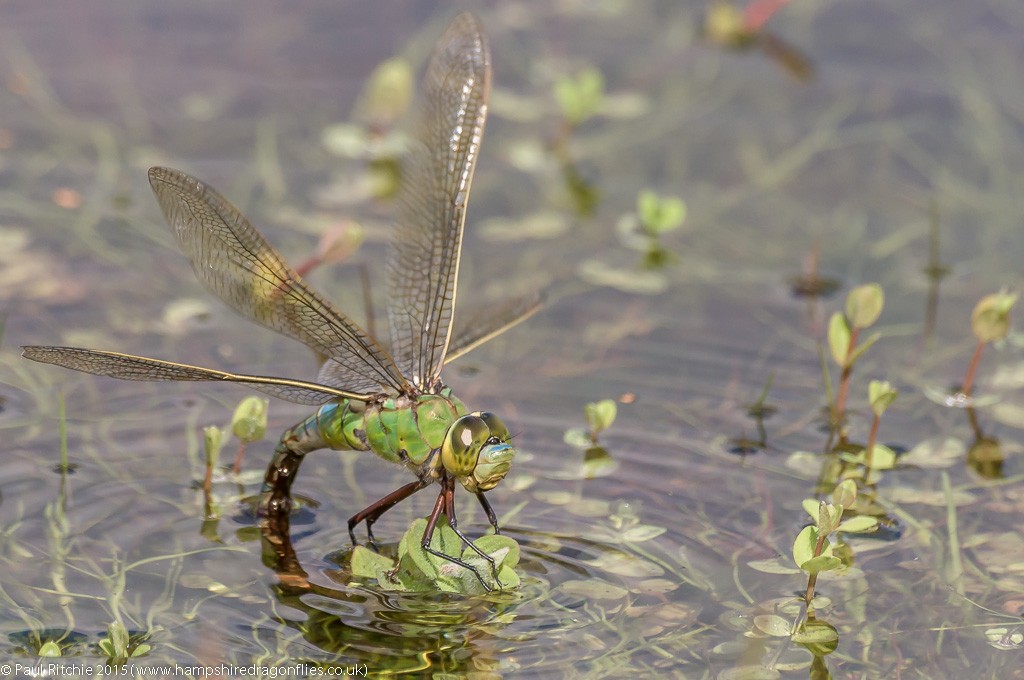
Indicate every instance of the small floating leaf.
{"type": "Point", "coordinates": [49, 649]}
{"type": "Point", "coordinates": [772, 624]}
{"type": "Point", "coordinates": [861, 524]}
{"type": "Point", "coordinates": [819, 637]}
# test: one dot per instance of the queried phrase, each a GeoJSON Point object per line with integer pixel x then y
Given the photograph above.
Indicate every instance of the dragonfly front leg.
{"type": "Point", "coordinates": [372, 513]}
{"type": "Point", "coordinates": [486, 505]}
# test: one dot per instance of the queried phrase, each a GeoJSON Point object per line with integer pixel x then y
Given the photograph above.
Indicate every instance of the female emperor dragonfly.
{"type": "Point", "coordinates": [391, 403]}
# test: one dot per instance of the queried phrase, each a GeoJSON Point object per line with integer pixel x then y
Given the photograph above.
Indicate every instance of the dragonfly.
{"type": "Point", "coordinates": [391, 402]}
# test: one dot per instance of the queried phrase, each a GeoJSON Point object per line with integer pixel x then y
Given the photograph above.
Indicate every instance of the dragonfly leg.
{"type": "Point", "coordinates": [428, 534]}
{"type": "Point", "coordinates": [486, 505]}
{"type": "Point", "coordinates": [449, 509]}
{"type": "Point", "coordinates": [372, 513]}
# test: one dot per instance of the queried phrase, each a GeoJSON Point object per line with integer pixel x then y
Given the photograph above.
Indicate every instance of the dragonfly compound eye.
{"type": "Point", "coordinates": [462, 445]}
{"type": "Point", "coordinates": [499, 433]}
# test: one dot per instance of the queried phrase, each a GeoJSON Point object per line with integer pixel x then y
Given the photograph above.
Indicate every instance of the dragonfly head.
{"type": "Point", "coordinates": [476, 450]}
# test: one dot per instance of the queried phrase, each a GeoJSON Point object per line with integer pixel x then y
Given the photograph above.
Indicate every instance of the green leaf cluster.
{"type": "Point", "coordinates": [812, 550]}
{"type": "Point", "coordinates": [600, 415]}
{"type": "Point", "coordinates": [659, 214]}
{"type": "Point", "coordinates": [417, 570]}
{"type": "Point", "coordinates": [863, 307]}
{"type": "Point", "coordinates": [580, 97]}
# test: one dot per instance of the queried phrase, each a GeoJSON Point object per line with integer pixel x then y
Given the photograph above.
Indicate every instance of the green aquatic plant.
{"type": "Point", "coordinates": [599, 416]}
{"type": "Point", "coordinates": [863, 306]}
{"type": "Point", "coordinates": [580, 96]}
{"type": "Point", "coordinates": [659, 215]}
{"type": "Point", "coordinates": [213, 442]}
{"type": "Point", "coordinates": [813, 552]}
{"type": "Point", "coordinates": [249, 425]}
{"type": "Point", "coordinates": [990, 322]}
{"type": "Point", "coordinates": [118, 644]}
{"type": "Point", "coordinates": [417, 570]}
{"type": "Point", "coordinates": [881, 395]}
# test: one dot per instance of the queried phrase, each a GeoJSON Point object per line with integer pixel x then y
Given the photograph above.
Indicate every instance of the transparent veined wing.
{"type": "Point", "coordinates": [475, 326]}
{"type": "Point", "coordinates": [423, 265]}
{"type": "Point", "coordinates": [132, 367]}
{"type": "Point", "coordinates": [239, 266]}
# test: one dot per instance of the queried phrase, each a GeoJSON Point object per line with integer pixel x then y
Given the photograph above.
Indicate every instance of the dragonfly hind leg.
{"type": "Point", "coordinates": [373, 512]}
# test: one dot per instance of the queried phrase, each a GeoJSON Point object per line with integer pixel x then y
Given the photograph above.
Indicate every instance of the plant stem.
{"type": "Point", "coordinates": [237, 467]}
{"type": "Point", "coordinates": [972, 369]}
{"type": "Point", "coordinates": [839, 415]}
{"type": "Point", "coordinates": [870, 451]}
{"type": "Point", "coordinates": [812, 579]}
{"type": "Point", "coordinates": [62, 413]}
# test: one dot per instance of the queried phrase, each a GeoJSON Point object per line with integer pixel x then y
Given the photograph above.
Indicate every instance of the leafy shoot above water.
{"type": "Point", "coordinates": [990, 322]}
{"type": "Point", "coordinates": [863, 307]}
{"type": "Point", "coordinates": [580, 97]}
{"type": "Point", "coordinates": [599, 415]}
{"type": "Point", "coordinates": [417, 570]}
{"type": "Point", "coordinates": [812, 550]}
{"type": "Point", "coordinates": [249, 424]}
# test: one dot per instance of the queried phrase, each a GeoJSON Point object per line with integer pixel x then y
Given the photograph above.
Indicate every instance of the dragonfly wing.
{"type": "Point", "coordinates": [423, 265]}
{"type": "Point", "coordinates": [131, 367]}
{"type": "Point", "coordinates": [477, 326]}
{"type": "Point", "coordinates": [236, 263]}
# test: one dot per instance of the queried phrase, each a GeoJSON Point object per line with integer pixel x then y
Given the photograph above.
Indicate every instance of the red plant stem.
{"type": "Point", "coordinates": [237, 467]}
{"type": "Point", "coordinates": [870, 451]}
{"type": "Point", "coordinates": [972, 369]}
{"type": "Point", "coordinates": [208, 480]}
{"type": "Point", "coordinates": [812, 579]}
{"type": "Point", "coordinates": [839, 413]}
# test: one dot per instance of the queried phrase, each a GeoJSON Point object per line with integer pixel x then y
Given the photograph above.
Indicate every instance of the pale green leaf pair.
{"type": "Point", "coordinates": [420, 571]}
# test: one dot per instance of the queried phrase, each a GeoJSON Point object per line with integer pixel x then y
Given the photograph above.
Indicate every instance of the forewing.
{"type": "Point", "coordinates": [131, 367]}
{"type": "Point", "coordinates": [423, 265]}
{"type": "Point", "coordinates": [237, 264]}
{"type": "Point", "coordinates": [476, 326]}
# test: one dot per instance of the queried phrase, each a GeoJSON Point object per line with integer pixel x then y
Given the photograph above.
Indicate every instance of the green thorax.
{"type": "Point", "coordinates": [415, 425]}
